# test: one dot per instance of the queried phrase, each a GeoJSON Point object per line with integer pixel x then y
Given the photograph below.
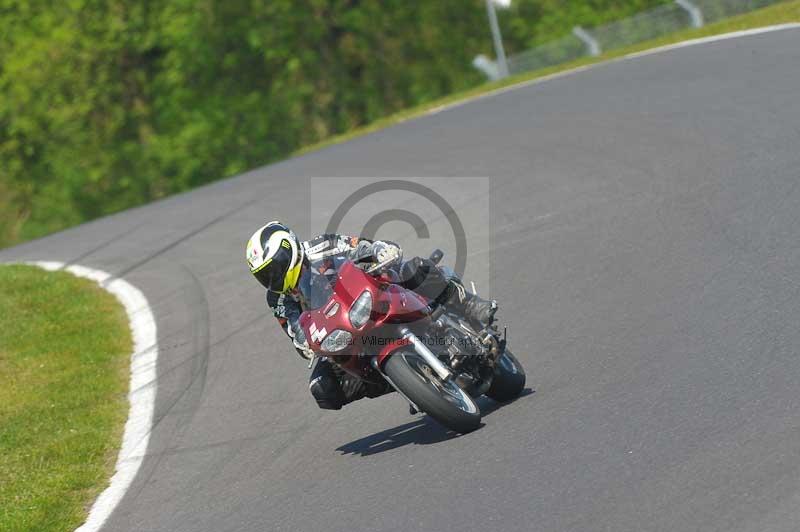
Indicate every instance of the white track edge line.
{"type": "Point", "coordinates": [141, 393]}
{"type": "Point", "coordinates": [626, 57]}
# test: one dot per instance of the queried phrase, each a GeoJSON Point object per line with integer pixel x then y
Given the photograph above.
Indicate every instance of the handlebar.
{"type": "Point", "coordinates": [380, 265]}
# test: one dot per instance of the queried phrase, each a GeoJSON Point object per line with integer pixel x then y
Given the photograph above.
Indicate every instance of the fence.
{"type": "Point", "coordinates": [645, 26]}
{"type": "Point", "coordinates": [561, 50]}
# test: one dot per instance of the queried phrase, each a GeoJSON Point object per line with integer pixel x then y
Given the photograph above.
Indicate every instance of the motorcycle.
{"type": "Point", "coordinates": [362, 320]}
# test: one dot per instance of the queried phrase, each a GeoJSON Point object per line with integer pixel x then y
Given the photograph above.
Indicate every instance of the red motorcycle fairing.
{"type": "Point", "coordinates": [392, 305]}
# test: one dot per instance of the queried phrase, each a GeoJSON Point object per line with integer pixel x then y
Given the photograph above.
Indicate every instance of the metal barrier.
{"type": "Point", "coordinates": [644, 26]}
{"type": "Point", "coordinates": [555, 52]}
{"type": "Point", "coordinates": [714, 10]}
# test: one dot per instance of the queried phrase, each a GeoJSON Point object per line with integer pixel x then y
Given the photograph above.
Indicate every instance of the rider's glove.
{"type": "Point", "coordinates": [304, 350]}
{"type": "Point", "coordinates": [385, 252]}
{"type": "Point", "coordinates": [299, 341]}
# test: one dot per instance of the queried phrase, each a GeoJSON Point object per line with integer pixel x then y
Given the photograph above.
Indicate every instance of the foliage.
{"type": "Point", "coordinates": [109, 104]}
{"type": "Point", "coordinates": [533, 22]}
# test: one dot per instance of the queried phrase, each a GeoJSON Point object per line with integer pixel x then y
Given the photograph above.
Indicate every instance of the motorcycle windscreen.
{"type": "Point", "coordinates": [315, 288]}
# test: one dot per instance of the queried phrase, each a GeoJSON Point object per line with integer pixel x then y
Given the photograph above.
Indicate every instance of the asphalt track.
{"type": "Point", "coordinates": [647, 259]}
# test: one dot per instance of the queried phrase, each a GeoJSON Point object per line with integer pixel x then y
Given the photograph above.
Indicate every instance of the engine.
{"type": "Point", "coordinates": [470, 359]}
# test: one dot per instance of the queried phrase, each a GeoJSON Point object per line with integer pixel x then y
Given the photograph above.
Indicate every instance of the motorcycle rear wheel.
{"type": "Point", "coordinates": [508, 380]}
{"type": "Point", "coordinates": [444, 401]}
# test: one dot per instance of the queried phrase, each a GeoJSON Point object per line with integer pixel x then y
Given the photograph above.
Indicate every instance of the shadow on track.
{"type": "Point", "coordinates": [421, 431]}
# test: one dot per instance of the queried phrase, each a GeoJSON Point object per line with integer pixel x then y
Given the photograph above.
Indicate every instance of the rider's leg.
{"type": "Point", "coordinates": [333, 388]}
{"type": "Point", "coordinates": [325, 387]}
{"type": "Point", "coordinates": [477, 310]}
{"type": "Point", "coordinates": [425, 278]}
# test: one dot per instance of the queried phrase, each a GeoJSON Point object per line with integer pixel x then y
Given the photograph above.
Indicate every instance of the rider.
{"type": "Point", "coordinates": [280, 262]}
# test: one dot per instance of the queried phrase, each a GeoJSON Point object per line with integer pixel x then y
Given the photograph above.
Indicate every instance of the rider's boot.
{"type": "Point", "coordinates": [478, 311]}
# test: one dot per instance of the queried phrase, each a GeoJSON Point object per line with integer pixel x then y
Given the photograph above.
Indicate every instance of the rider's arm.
{"type": "Point", "coordinates": [287, 311]}
{"type": "Point", "coordinates": [354, 248]}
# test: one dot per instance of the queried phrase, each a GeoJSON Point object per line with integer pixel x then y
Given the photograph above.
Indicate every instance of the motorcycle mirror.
{"type": "Point", "coordinates": [436, 256]}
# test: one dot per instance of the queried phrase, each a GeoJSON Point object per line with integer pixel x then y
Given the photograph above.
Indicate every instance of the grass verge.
{"type": "Point", "coordinates": [64, 348]}
{"type": "Point", "coordinates": [775, 14]}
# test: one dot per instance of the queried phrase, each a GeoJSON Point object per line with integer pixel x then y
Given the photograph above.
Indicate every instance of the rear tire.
{"type": "Point", "coordinates": [509, 379]}
{"type": "Point", "coordinates": [443, 401]}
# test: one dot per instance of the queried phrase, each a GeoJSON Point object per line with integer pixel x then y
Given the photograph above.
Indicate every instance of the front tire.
{"type": "Point", "coordinates": [444, 401]}
{"type": "Point", "coordinates": [508, 380]}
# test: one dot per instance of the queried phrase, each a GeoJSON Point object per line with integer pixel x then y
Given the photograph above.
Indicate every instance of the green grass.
{"type": "Point", "coordinates": [775, 14]}
{"type": "Point", "coordinates": [64, 358]}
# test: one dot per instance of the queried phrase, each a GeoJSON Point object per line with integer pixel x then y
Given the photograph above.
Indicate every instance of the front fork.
{"type": "Point", "coordinates": [426, 354]}
{"type": "Point", "coordinates": [431, 359]}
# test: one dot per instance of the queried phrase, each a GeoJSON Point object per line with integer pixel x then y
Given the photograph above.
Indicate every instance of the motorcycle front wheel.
{"type": "Point", "coordinates": [441, 399]}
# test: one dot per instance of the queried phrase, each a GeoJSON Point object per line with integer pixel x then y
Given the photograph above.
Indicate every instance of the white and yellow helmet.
{"type": "Point", "coordinates": [275, 257]}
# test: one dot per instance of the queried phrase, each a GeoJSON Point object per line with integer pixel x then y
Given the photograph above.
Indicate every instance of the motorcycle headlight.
{"type": "Point", "coordinates": [336, 341]}
{"type": "Point", "coordinates": [359, 312]}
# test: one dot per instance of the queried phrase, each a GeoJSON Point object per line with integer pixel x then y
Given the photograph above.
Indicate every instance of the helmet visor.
{"type": "Point", "coordinates": [271, 276]}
